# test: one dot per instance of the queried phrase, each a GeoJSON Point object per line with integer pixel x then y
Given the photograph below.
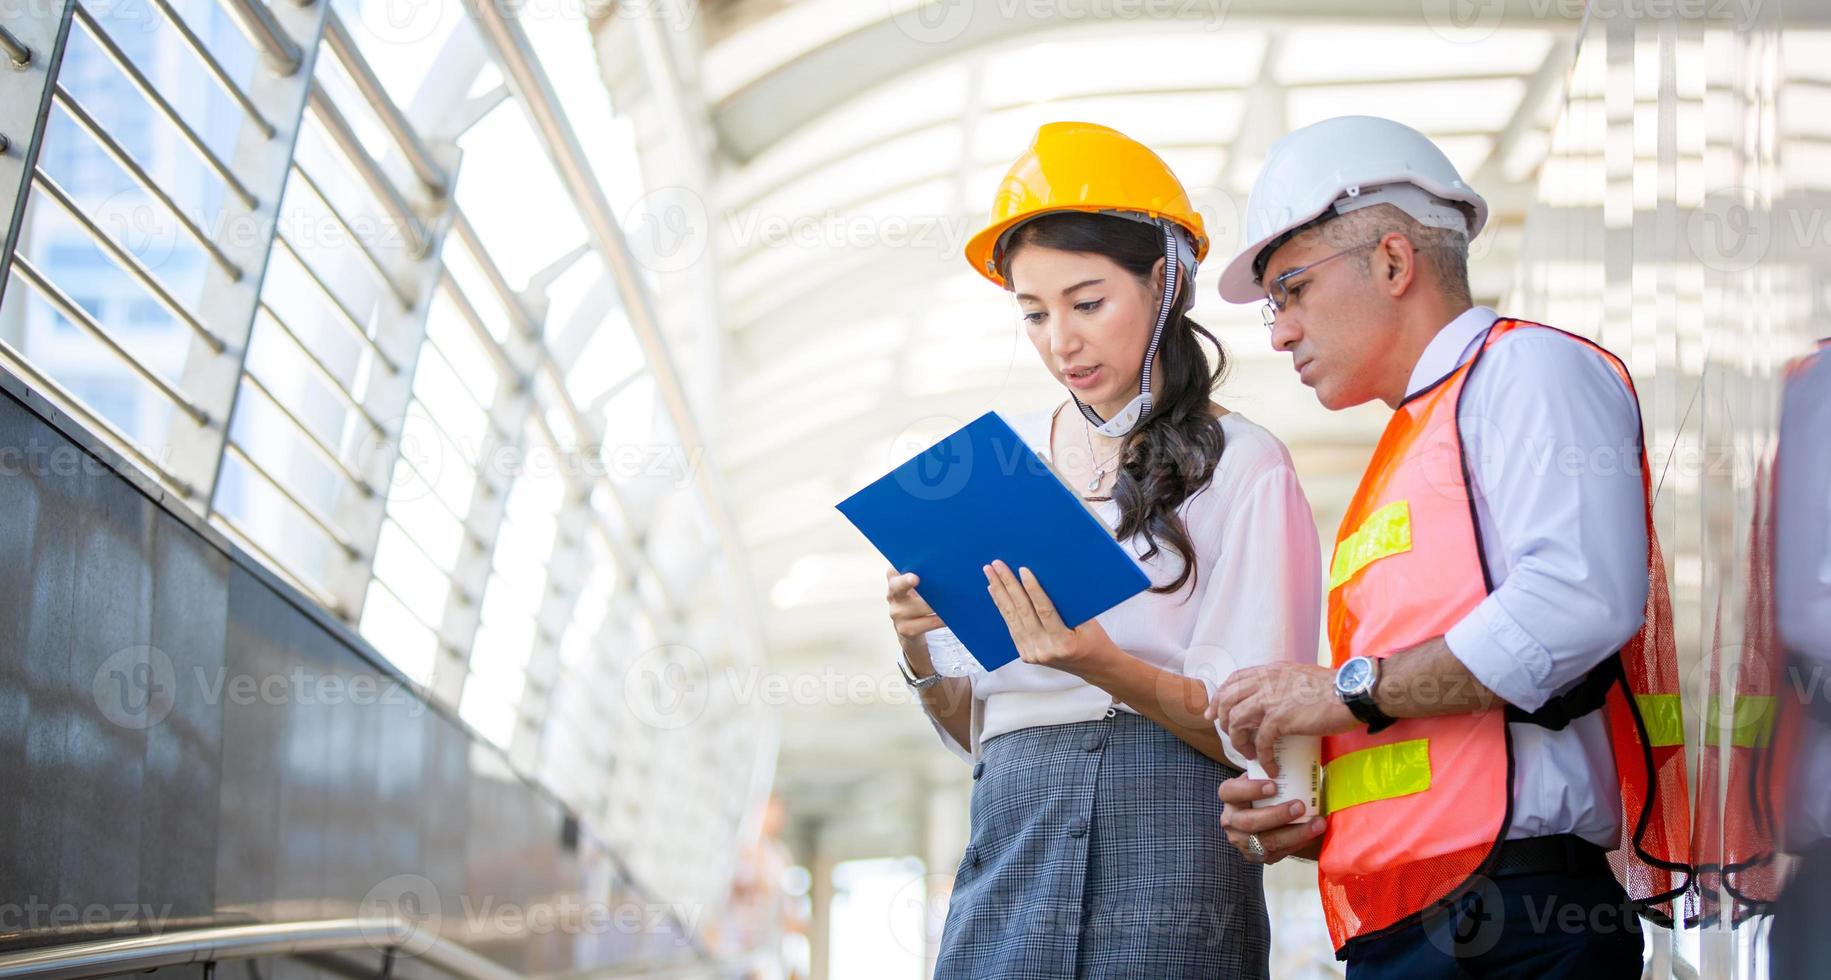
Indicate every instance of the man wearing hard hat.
{"type": "Point", "coordinates": [1503, 758]}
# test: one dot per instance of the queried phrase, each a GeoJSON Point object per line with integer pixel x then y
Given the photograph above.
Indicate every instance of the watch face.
{"type": "Point", "coordinates": [1355, 677]}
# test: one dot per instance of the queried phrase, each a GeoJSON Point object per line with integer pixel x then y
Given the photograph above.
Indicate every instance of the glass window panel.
{"type": "Point", "coordinates": [435, 462]}
{"type": "Point", "coordinates": [430, 525]}
{"type": "Point", "coordinates": [290, 291]}
{"type": "Point", "coordinates": [437, 386]}
{"type": "Point", "coordinates": [563, 44]}
{"type": "Point", "coordinates": [491, 714]}
{"type": "Point", "coordinates": [415, 579]}
{"type": "Point", "coordinates": [567, 296]}
{"type": "Point", "coordinates": [274, 519]}
{"type": "Point", "coordinates": [463, 351]}
{"type": "Point", "coordinates": [340, 86]}
{"type": "Point", "coordinates": [517, 582]}
{"type": "Point", "coordinates": [629, 415]}
{"type": "Point", "coordinates": [610, 356]}
{"type": "Point", "coordinates": [526, 230]}
{"type": "Point", "coordinates": [474, 283]}
{"type": "Point", "coordinates": [391, 628]}
{"type": "Point", "coordinates": [401, 42]}
{"type": "Point", "coordinates": [533, 503]}
{"type": "Point", "coordinates": [104, 90]}
{"type": "Point", "coordinates": [89, 371]}
{"type": "Point", "coordinates": [579, 644]}
{"type": "Point", "coordinates": [500, 657]}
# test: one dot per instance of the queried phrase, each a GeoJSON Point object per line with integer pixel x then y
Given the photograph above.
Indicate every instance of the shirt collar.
{"type": "Point", "coordinates": [1450, 347]}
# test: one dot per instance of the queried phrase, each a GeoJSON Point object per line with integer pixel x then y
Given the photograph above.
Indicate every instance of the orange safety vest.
{"type": "Point", "coordinates": [1417, 812]}
{"type": "Point", "coordinates": [1733, 851]}
{"type": "Point", "coordinates": [1764, 727]}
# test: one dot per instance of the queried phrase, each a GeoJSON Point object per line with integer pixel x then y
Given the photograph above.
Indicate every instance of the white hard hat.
{"type": "Point", "coordinates": [1341, 165]}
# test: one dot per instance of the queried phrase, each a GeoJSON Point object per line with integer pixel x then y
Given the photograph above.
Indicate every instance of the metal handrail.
{"type": "Point", "coordinates": [337, 126]}
{"type": "Point", "coordinates": [476, 401]}
{"type": "Point", "coordinates": [223, 521]}
{"type": "Point", "coordinates": [74, 312]}
{"type": "Point", "coordinates": [505, 293]}
{"type": "Point", "coordinates": [17, 51]}
{"type": "Point", "coordinates": [164, 107]}
{"type": "Point", "coordinates": [111, 433]}
{"type": "Point", "coordinates": [492, 348]}
{"type": "Point", "coordinates": [388, 936]}
{"type": "Point", "coordinates": [330, 377]}
{"type": "Point", "coordinates": [392, 118]}
{"type": "Point", "coordinates": [312, 438]}
{"type": "Point", "coordinates": [263, 30]}
{"type": "Point", "coordinates": [324, 523]}
{"type": "Point", "coordinates": [310, 183]}
{"type": "Point", "coordinates": [524, 322]}
{"type": "Point", "coordinates": [345, 316]}
{"type": "Point", "coordinates": [476, 540]}
{"type": "Point", "coordinates": [129, 262]}
{"type": "Point", "coordinates": [215, 67]}
{"type": "Point", "coordinates": [502, 32]}
{"type": "Point", "coordinates": [125, 160]}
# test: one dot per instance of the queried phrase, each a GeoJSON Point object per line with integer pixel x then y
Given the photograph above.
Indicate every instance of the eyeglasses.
{"type": "Point", "coordinates": [1278, 295]}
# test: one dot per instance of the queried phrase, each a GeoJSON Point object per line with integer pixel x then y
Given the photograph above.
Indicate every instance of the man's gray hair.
{"type": "Point", "coordinates": [1445, 250]}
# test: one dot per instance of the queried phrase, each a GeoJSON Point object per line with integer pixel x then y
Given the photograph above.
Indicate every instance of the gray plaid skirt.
{"type": "Point", "coordinates": [1096, 851]}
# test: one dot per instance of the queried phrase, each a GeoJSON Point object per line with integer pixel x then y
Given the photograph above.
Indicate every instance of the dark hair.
{"type": "Point", "coordinates": [1172, 455]}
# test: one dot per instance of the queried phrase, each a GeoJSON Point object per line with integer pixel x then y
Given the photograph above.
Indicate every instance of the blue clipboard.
{"type": "Point", "coordinates": [981, 494]}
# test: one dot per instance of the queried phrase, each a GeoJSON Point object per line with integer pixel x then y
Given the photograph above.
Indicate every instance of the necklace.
{"type": "Point", "coordinates": [1101, 469]}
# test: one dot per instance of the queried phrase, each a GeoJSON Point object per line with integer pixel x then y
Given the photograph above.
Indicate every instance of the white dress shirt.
{"type": "Point", "coordinates": [1551, 436]}
{"type": "Point", "coordinates": [1802, 579]}
{"type": "Point", "coordinates": [1256, 597]}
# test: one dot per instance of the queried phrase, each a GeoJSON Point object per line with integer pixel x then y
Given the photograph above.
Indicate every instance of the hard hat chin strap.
{"type": "Point", "coordinates": [1139, 408]}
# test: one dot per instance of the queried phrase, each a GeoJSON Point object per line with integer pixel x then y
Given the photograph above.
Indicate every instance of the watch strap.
{"type": "Point", "coordinates": [914, 682]}
{"type": "Point", "coordinates": [1367, 710]}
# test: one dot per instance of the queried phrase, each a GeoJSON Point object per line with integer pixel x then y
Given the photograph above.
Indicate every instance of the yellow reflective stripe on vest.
{"type": "Point", "coordinates": [1385, 532]}
{"type": "Point", "coordinates": [1751, 727]}
{"type": "Point", "coordinates": [1665, 718]}
{"type": "Point", "coordinates": [1379, 773]}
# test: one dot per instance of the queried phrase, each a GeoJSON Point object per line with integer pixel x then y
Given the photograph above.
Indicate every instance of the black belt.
{"type": "Point", "coordinates": [1558, 854]}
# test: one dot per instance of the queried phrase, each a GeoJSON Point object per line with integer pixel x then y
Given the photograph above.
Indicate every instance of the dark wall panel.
{"type": "Point", "coordinates": [184, 742]}
{"type": "Point", "coordinates": [183, 772]}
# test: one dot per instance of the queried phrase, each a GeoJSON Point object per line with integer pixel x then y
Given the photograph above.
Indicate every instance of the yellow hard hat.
{"type": "Point", "coordinates": [1078, 166]}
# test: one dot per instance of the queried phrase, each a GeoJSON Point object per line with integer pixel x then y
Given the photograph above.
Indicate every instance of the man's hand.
{"type": "Point", "coordinates": [1256, 705]}
{"type": "Point", "coordinates": [1037, 629]}
{"type": "Point", "coordinates": [1277, 834]}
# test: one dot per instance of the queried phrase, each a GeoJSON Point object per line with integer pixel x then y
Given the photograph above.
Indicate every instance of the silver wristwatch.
{"type": "Point", "coordinates": [914, 682]}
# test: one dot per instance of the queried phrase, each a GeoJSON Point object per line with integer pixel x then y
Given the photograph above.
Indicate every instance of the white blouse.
{"type": "Point", "coordinates": [1256, 597]}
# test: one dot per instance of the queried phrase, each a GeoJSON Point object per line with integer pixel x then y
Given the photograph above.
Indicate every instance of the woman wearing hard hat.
{"type": "Point", "coordinates": [1502, 735]}
{"type": "Point", "coordinates": [1095, 842]}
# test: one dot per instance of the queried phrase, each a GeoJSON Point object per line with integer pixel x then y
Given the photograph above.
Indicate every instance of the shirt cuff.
{"type": "Point", "coordinates": [1502, 655]}
{"type": "Point", "coordinates": [947, 741]}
